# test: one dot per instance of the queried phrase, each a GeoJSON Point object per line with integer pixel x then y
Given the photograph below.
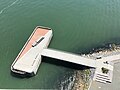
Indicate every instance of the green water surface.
{"type": "Point", "coordinates": [78, 26]}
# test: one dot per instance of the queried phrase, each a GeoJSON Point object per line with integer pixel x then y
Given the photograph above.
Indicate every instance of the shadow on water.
{"type": "Point", "coordinates": [64, 63]}
{"type": "Point", "coordinates": [54, 62]}
{"type": "Point", "coordinates": [20, 75]}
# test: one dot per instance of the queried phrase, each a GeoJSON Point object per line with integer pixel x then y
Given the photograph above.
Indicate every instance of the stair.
{"type": "Point", "coordinates": [103, 78]}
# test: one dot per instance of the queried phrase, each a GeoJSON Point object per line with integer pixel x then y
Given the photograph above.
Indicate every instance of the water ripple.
{"type": "Point", "coordinates": [7, 7]}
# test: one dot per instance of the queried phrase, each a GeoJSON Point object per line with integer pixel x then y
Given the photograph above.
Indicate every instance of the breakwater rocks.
{"type": "Point", "coordinates": [84, 78]}
{"type": "Point", "coordinates": [108, 50]}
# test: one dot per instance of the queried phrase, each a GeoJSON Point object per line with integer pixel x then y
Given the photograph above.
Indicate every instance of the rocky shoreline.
{"type": "Point", "coordinates": [83, 78]}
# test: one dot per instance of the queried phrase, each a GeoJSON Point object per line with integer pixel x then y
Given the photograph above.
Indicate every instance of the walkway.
{"type": "Point", "coordinates": [74, 58]}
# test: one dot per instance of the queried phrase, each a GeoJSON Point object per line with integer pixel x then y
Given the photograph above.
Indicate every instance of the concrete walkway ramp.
{"type": "Point", "coordinates": [69, 57]}
{"type": "Point", "coordinates": [74, 58]}
{"type": "Point", "coordinates": [77, 59]}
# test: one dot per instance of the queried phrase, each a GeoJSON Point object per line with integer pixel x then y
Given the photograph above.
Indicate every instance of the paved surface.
{"type": "Point", "coordinates": [74, 58]}
{"type": "Point", "coordinates": [115, 85]}
{"type": "Point", "coordinates": [36, 35]}
{"type": "Point", "coordinates": [110, 58]}
{"type": "Point", "coordinates": [65, 56]}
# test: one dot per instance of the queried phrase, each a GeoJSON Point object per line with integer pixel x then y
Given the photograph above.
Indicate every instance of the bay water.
{"type": "Point", "coordinates": [78, 27]}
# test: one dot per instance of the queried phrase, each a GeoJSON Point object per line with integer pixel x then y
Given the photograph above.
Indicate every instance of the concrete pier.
{"type": "Point", "coordinates": [77, 59]}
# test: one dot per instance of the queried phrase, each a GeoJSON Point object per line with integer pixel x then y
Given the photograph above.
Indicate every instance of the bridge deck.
{"type": "Point", "coordinates": [74, 58]}
{"type": "Point", "coordinates": [68, 57]}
